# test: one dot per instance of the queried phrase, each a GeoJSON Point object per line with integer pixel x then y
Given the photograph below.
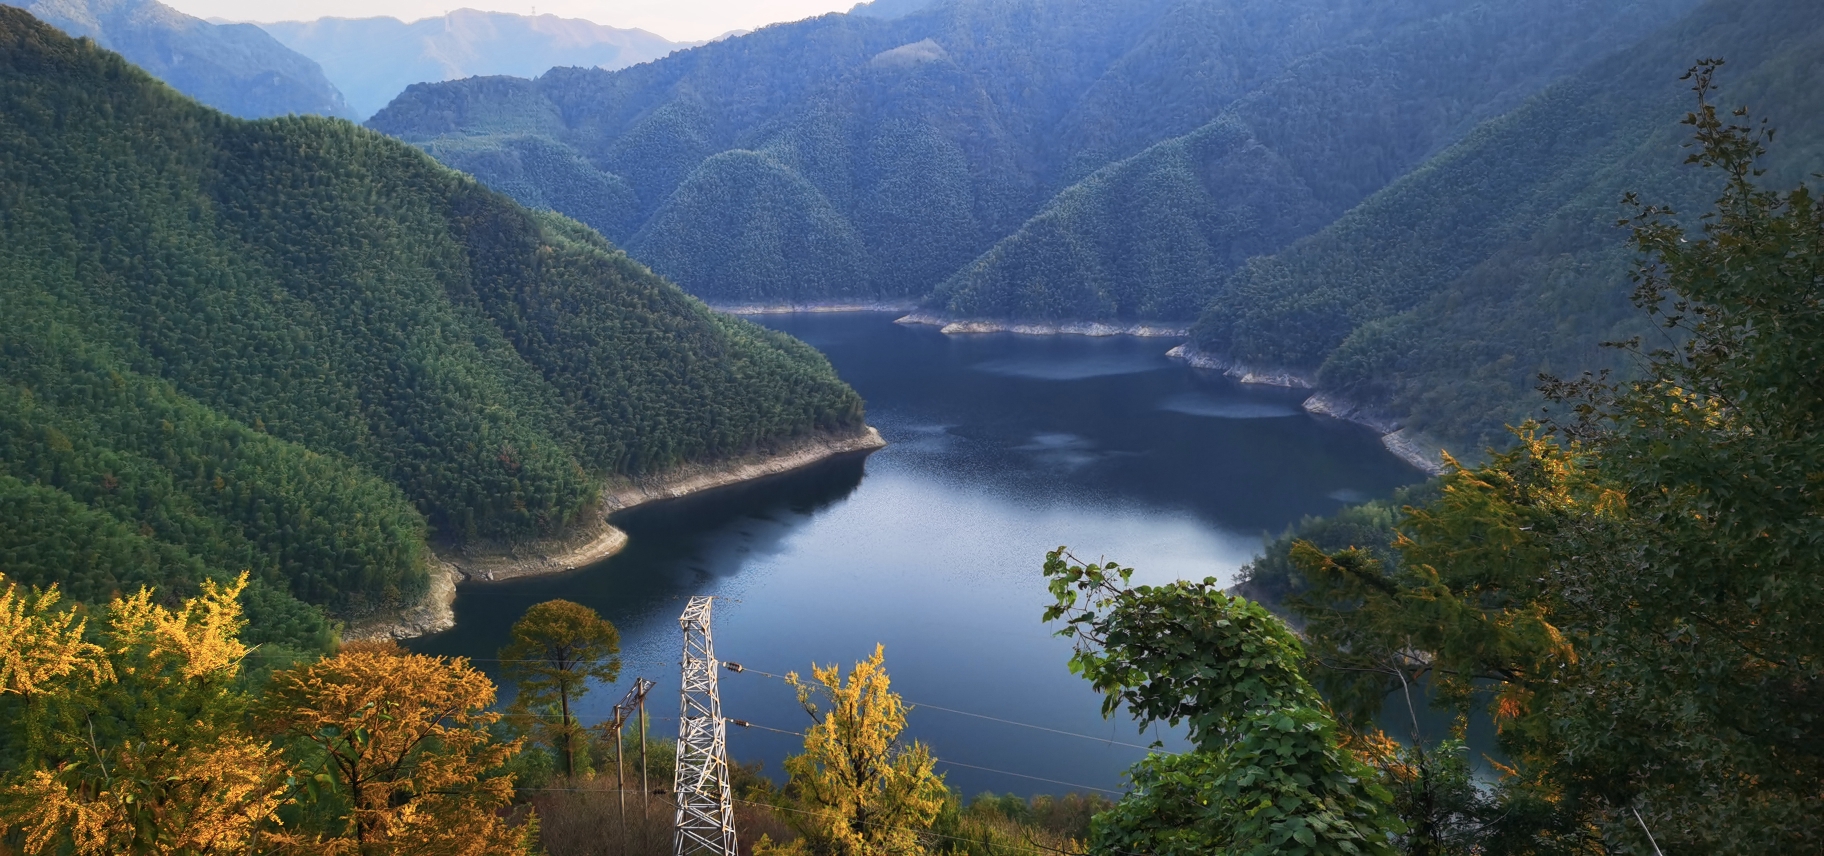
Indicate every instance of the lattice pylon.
{"type": "Point", "coordinates": [706, 808]}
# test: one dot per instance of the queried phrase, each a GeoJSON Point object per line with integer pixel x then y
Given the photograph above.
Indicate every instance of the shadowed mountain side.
{"type": "Point", "coordinates": [1144, 239]}
{"type": "Point", "coordinates": [938, 132]}
{"type": "Point", "coordinates": [1155, 236]}
{"type": "Point", "coordinates": [1442, 297]}
{"type": "Point", "coordinates": [372, 60]}
{"type": "Point", "coordinates": [235, 68]}
{"type": "Point", "coordinates": [298, 347]}
{"type": "Point", "coordinates": [755, 223]}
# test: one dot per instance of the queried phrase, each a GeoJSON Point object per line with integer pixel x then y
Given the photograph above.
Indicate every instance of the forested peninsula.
{"type": "Point", "coordinates": [302, 349]}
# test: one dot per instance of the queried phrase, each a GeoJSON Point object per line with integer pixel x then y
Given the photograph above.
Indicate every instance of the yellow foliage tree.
{"type": "Point", "coordinates": [406, 742]}
{"type": "Point", "coordinates": [136, 743]}
{"type": "Point", "coordinates": [40, 643]}
{"type": "Point", "coordinates": [858, 790]}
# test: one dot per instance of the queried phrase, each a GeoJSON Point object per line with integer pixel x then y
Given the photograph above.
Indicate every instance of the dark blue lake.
{"type": "Point", "coordinates": [1002, 447]}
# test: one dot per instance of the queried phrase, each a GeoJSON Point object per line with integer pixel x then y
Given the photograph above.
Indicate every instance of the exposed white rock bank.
{"type": "Point", "coordinates": [1409, 446]}
{"type": "Point", "coordinates": [951, 326]}
{"type": "Point", "coordinates": [795, 308]}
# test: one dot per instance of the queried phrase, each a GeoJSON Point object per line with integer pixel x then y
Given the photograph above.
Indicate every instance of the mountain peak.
{"type": "Point", "coordinates": [235, 68]}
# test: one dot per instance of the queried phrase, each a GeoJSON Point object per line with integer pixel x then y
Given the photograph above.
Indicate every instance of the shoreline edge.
{"type": "Point", "coordinates": [598, 540]}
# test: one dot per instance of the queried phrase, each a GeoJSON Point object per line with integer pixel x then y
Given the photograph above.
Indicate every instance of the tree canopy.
{"type": "Point", "coordinates": [557, 649]}
{"type": "Point", "coordinates": [1269, 771]}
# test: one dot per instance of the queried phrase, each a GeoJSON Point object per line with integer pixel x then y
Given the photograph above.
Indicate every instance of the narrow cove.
{"type": "Point", "coordinates": [1001, 447]}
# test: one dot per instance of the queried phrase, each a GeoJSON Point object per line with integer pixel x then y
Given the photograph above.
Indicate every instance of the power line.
{"type": "Point", "coordinates": [740, 669]}
{"type": "Point", "coordinates": [1036, 848]}
{"type": "Point", "coordinates": [745, 724]}
{"type": "Point", "coordinates": [1024, 776]}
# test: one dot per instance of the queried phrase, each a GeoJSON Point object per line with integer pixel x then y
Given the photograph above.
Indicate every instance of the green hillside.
{"type": "Point", "coordinates": [1442, 297]}
{"type": "Point", "coordinates": [1155, 236]}
{"type": "Point", "coordinates": [298, 347]}
{"type": "Point", "coordinates": [929, 135]}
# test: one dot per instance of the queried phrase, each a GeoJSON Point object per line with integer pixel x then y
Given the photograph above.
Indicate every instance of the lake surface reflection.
{"type": "Point", "coordinates": [1002, 447]}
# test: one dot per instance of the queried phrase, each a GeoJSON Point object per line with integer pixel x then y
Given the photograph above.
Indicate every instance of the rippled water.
{"type": "Point", "coordinates": [1002, 447]}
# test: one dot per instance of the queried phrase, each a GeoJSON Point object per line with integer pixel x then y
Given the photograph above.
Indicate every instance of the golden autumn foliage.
{"type": "Point", "coordinates": [859, 791]}
{"type": "Point", "coordinates": [157, 797]}
{"type": "Point", "coordinates": [136, 740]}
{"type": "Point", "coordinates": [405, 743]}
{"type": "Point", "coordinates": [40, 643]}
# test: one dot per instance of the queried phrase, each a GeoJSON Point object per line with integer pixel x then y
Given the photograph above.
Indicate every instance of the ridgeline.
{"type": "Point", "coordinates": [301, 348]}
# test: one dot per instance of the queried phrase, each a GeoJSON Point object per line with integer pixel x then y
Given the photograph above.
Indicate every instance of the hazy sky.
{"type": "Point", "coordinates": [680, 20]}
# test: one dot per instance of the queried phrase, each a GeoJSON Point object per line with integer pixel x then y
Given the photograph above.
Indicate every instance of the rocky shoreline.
{"type": "Point", "coordinates": [693, 478]}
{"type": "Point", "coordinates": [432, 613]}
{"type": "Point", "coordinates": [953, 326]}
{"type": "Point", "coordinates": [1244, 374]}
{"type": "Point", "coordinates": [587, 545]}
{"type": "Point", "coordinates": [794, 308]}
{"type": "Point", "coordinates": [1413, 448]}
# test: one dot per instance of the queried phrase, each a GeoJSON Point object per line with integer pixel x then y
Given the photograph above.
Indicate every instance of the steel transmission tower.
{"type": "Point", "coordinates": [706, 809]}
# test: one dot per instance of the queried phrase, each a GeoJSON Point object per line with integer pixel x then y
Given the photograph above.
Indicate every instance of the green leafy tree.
{"type": "Point", "coordinates": [558, 647]}
{"type": "Point", "coordinates": [1634, 589]}
{"type": "Point", "coordinates": [1269, 771]}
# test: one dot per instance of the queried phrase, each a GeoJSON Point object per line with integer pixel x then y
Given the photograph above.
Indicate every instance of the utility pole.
{"type": "Point", "coordinates": [634, 699]}
{"type": "Point", "coordinates": [706, 810]}
{"type": "Point", "coordinates": [645, 789]}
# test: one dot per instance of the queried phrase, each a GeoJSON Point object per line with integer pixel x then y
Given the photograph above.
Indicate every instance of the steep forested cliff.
{"type": "Point", "coordinates": [1155, 236]}
{"type": "Point", "coordinates": [1441, 298]}
{"type": "Point", "coordinates": [296, 346]}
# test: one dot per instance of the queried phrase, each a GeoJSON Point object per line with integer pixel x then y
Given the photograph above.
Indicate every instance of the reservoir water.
{"type": "Point", "coordinates": [1001, 448]}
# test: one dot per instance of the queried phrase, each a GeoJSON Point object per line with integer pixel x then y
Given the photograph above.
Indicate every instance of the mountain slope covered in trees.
{"type": "Point", "coordinates": [374, 59]}
{"type": "Point", "coordinates": [296, 347]}
{"type": "Point", "coordinates": [1153, 237]}
{"type": "Point", "coordinates": [1443, 297]}
{"type": "Point", "coordinates": [900, 148]}
{"type": "Point", "coordinates": [235, 68]}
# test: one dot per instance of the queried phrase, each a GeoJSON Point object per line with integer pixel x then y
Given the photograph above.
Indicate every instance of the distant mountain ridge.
{"type": "Point", "coordinates": [874, 156]}
{"type": "Point", "coordinates": [236, 68]}
{"type": "Point", "coordinates": [372, 60]}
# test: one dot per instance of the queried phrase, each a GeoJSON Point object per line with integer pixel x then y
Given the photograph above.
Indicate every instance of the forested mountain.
{"type": "Point", "coordinates": [1443, 297]}
{"type": "Point", "coordinates": [296, 346]}
{"type": "Point", "coordinates": [1154, 236]}
{"type": "Point", "coordinates": [872, 156]}
{"type": "Point", "coordinates": [235, 68]}
{"type": "Point", "coordinates": [372, 60]}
